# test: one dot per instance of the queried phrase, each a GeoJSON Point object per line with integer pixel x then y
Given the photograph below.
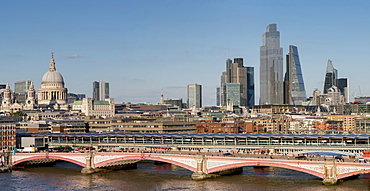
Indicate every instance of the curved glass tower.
{"type": "Point", "coordinates": [294, 90]}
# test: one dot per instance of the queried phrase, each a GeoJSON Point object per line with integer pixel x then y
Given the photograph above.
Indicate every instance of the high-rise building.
{"type": "Point", "coordinates": [218, 96]}
{"type": "Point", "coordinates": [194, 96]}
{"type": "Point", "coordinates": [294, 91]}
{"type": "Point", "coordinates": [271, 67]}
{"type": "Point", "coordinates": [22, 86]}
{"type": "Point", "coordinates": [250, 87]}
{"type": "Point", "coordinates": [20, 90]}
{"type": "Point", "coordinates": [231, 94]}
{"type": "Point", "coordinates": [331, 76]}
{"type": "Point", "coordinates": [100, 90]}
{"type": "Point", "coordinates": [236, 73]}
{"type": "Point", "coordinates": [342, 84]}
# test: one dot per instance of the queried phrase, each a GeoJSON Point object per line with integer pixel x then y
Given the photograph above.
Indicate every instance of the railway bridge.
{"type": "Point", "coordinates": [204, 166]}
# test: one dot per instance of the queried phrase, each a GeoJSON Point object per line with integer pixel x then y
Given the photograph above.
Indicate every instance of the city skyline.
{"type": "Point", "coordinates": [165, 47]}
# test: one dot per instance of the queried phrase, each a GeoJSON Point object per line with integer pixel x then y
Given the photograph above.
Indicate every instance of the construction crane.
{"type": "Point", "coordinates": [359, 89]}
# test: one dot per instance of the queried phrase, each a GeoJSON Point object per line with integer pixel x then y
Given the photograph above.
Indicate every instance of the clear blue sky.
{"type": "Point", "coordinates": [141, 47]}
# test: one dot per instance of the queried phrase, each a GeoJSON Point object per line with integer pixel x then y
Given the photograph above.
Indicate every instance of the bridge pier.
{"type": "Point", "coordinates": [202, 174]}
{"type": "Point", "coordinates": [6, 161]}
{"type": "Point", "coordinates": [90, 167]}
{"type": "Point", "coordinates": [330, 171]}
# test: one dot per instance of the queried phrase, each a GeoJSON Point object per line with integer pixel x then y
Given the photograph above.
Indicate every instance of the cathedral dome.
{"type": "Point", "coordinates": [52, 76]}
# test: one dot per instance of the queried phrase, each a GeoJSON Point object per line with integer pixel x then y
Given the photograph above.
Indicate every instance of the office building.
{"type": "Point", "coordinates": [194, 96]}
{"type": "Point", "coordinates": [231, 94]}
{"type": "Point", "coordinates": [236, 73]}
{"type": "Point", "coordinates": [100, 90]}
{"type": "Point", "coordinates": [271, 67]}
{"type": "Point", "coordinates": [250, 87]}
{"type": "Point", "coordinates": [22, 86]}
{"type": "Point", "coordinates": [91, 107]}
{"type": "Point", "coordinates": [20, 90]}
{"type": "Point", "coordinates": [218, 96]}
{"type": "Point", "coordinates": [342, 84]}
{"type": "Point", "coordinates": [331, 76]}
{"type": "Point", "coordinates": [294, 90]}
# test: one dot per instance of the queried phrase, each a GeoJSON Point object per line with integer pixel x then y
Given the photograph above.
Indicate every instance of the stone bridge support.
{"type": "Point", "coordinates": [202, 172]}
{"type": "Point", "coordinates": [201, 164]}
{"type": "Point", "coordinates": [6, 161]}
{"type": "Point", "coordinates": [330, 172]}
{"type": "Point", "coordinates": [90, 167]}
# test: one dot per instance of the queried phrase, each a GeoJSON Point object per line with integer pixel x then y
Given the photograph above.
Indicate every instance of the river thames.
{"type": "Point", "coordinates": [148, 176]}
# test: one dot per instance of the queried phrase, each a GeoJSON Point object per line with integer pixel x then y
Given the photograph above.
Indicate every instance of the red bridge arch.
{"type": "Point", "coordinates": [265, 163]}
{"type": "Point", "coordinates": [147, 157]}
{"type": "Point", "coordinates": [50, 157]}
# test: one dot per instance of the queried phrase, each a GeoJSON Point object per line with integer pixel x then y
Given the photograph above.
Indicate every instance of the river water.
{"type": "Point", "coordinates": [148, 176]}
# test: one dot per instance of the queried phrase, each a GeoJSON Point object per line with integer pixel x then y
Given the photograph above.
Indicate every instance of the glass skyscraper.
{"type": "Point", "coordinates": [231, 94]}
{"type": "Point", "coordinates": [331, 76]}
{"type": "Point", "coordinates": [250, 87]}
{"type": "Point", "coordinates": [294, 91]}
{"type": "Point", "coordinates": [342, 84]}
{"type": "Point", "coordinates": [271, 67]}
{"type": "Point", "coordinates": [100, 90]}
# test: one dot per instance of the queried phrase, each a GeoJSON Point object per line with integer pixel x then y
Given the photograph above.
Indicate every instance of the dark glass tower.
{"type": "Point", "coordinates": [331, 76]}
{"type": "Point", "coordinates": [250, 87]}
{"type": "Point", "coordinates": [342, 84]}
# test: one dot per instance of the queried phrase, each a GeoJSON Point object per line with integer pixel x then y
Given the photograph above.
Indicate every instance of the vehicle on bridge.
{"type": "Point", "coordinates": [362, 160]}
{"type": "Point", "coordinates": [339, 157]}
{"type": "Point", "coordinates": [302, 157]}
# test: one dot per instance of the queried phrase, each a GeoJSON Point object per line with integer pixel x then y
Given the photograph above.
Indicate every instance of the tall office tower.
{"type": "Point", "coordinates": [236, 73]}
{"type": "Point", "coordinates": [100, 90]}
{"type": "Point", "coordinates": [331, 76]}
{"type": "Point", "coordinates": [250, 87]}
{"type": "Point", "coordinates": [218, 96]}
{"type": "Point", "coordinates": [194, 96]}
{"type": "Point", "coordinates": [271, 67]}
{"type": "Point", "coordinates": [342, 84]}
{"type": "Point", "coordinates": [228, 71]}
{"type": "Point", "coordinates": [294, 91]}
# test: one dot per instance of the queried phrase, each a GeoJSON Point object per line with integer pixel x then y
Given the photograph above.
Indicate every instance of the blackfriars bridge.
{"type": "Point", "coordinates": [204, 166]}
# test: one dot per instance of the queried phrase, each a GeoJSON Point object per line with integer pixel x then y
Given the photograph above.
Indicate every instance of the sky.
{"type": "Point", "coordinates": [143, 46]}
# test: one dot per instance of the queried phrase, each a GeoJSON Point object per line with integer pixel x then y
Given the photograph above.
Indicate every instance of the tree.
{"type": "Point", "coordinates": [18, 114]}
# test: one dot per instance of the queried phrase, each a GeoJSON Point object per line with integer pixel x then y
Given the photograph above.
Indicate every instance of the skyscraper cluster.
{"type": "Point", "coordinates": [237, 85]}
{"type": "Point", "coordinates": [334, 84]}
